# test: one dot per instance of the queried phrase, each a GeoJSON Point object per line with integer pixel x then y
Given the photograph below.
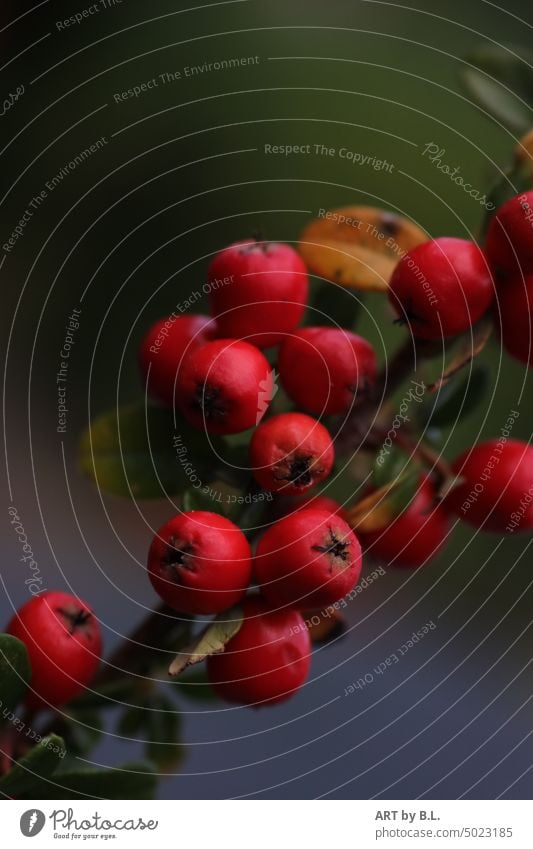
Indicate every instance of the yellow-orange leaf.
{"type": "Point", "coordinates": [358, 246]}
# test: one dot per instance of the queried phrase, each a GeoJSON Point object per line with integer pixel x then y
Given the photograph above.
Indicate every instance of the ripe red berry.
{"type": "Point", "coordinates": [515, 302]}
{"type": "Point", "coordinates": [163, 348]}
{"type": "Point", "coordinates": [413, 537]}
{"type": "Point", "coordinates": [441, 288]}
{"type": "Point", "coordinates": [200, 563]}
{"type": "Point", "coordinates": [266, 661]}
{"type": "Point", "coordinates": [509, 244]}
{"type": "Point", "coordinates": [290, 453]}
{"type": "Point", "coordinates": [308, 559]}
{"type": "Point", "coordinates": [496, 492]}
{"type": "Point", "coordinates": [64, 645]}
{"type": "Point", "coordinates": [225, 386]}
{"type": "Point", "coordinates": [324, 368]}
{"type": "Point", "coordinates": [266, 293]}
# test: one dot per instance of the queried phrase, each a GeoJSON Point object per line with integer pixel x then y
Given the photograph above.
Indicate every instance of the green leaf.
{"type": "Point", "coordinates": [136, 452]}
{"type": "Point", "coordinates": [132, 721]}
{"type": "Point", "coordinates": [214, 500]}
{"type": "Point", "coordinates": [457, 399]}
{"type": "Point", "coordinates": [130, 781]}
{"type": "Point", "coordinates": [82, 731]}
{"type": "Point", "coordinates": [500, 82]}
{"type": "Point", "coordinates": [15, 673]}
{"type": "Point", "coordinates": [40, 763]}
{"type": "Point", "coordinates": [164, 721]}
{"type": "Point", "coordinates": [211, 641]}
{"type": "Point", "coordinates": [122, 690]}
{"type": "Point", "coordinates": [515, 180]}
{"type": "Point", "coordinates": [334, 306]}
{"type": "Point", "coordinates": [388, 465]}
{"type": "Point", "coordinates": [195, 685]}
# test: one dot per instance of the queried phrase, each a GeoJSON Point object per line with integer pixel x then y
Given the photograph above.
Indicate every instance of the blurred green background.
{"type": "Point", "coordinates": [129, 234]}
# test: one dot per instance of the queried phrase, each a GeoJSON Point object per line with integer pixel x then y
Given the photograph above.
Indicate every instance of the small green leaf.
{"type": "Point", "coordinates": [164, 721]}
{"type": "Point", "coordinates": [82, 731]}
{"type": "Point", "coordinates": [211, 641]}
{"type": "Point", "coordinates": [122, 690]}
{"type": "Point", "coordinates": [457, 399]}
{"type": "Point", "coordinates": [195, 686]}
{"type": "Point", "coordinates": [130, 781]}
{"type": "Point", "coordinates": [15, 673]}
{"type": "Point", "coordinates": [40, 763]}
{"type": "Point", "coordinates": [514, 181]}
{"type": "Point", "coordinates": [136, 452]}
{"type": "Point", "coordinates": [389, 464]}
{"type": "Point", "coordinates": [132, 721]}
{"type": "Point", "coordinates": [502, 83]}
{"type": "Point", "coordinates": [213, 499]}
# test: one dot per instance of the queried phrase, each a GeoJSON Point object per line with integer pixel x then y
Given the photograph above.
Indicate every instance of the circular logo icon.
{"type": "Point", "coordinates": [32, 822]}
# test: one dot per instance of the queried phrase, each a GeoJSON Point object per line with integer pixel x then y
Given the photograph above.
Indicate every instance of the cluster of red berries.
{"type": "Point", "coordinates": [214, 371]}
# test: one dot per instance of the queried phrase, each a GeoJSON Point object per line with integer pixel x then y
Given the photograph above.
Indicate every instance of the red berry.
{"type": "Point", "coordinates": [266, 293]}
{"type": "Point", "coordinates": [515, 302]}
{"type": "Point", "coordinates": [509, 244]}
{"type": "Point", "coordinates": [64, 645]}
{"type": "Point", "coordinates": [163, 348]}
{"type": "Point", "coordinates": [225, 386]}
{"type": "Point", "coordinates": [266, 661]}
{"type": "Point", "coordinates": [415, 535]}
{"type": "Point", "coordinates": [496, 493]}
{"type": "Point", "coordinates": [441, 288]}
{"type": "Point", "coordinates": [308, 559]}
{"type": "Point", "coordinates": [323, 368]}
{"type": "Point", "coordinates": [200, 562]}
{"type": "Point", "coordinates": [290, 453]}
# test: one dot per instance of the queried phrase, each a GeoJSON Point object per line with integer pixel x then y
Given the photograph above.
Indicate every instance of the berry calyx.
{"type": "Point", "coordinates": [495, 491]}
{"type": "Point", "coordinates": [324, 369]}
{"type": "Point", "coordinates": [266, 291]}
{"type": "Point", "coordinates": [290, 453]}
{"type": "Point", "coordinates": [200, 563]}
{"type": "Point", "coordinates": [64, 645]}
{"type": "Point", "coordinates": [515, 302]}
{"type": "Point", "coordinates": [441, 288]}
{"type": "Point", "coordinates": [163, 348]}
{"type": "Point", "coordinates": [268, 659]}
{"type": "Point", "coordinates": [509, 243]}
{"type": "Point", "coordinates": [225, 386]}
{"type": "Point", "coordinates": [413, 537]}
{"type": "Point", "coordinates": [308, 559]}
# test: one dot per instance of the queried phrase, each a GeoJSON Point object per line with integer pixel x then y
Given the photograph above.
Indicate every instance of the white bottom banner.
{"type": "Point", "coordinates": [236, 824]}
